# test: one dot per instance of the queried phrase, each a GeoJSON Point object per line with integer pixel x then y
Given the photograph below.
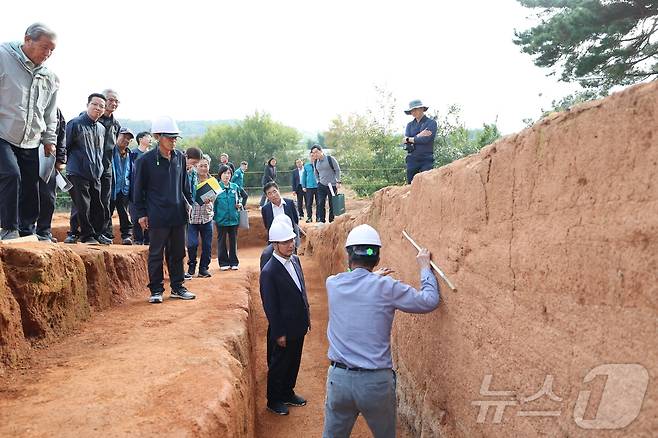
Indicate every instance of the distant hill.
{"type": "Point", "coordinates": [189, 128]}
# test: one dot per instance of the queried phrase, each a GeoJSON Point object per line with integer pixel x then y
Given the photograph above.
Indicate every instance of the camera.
{"type": "Point", "coordinates": [409, 147]}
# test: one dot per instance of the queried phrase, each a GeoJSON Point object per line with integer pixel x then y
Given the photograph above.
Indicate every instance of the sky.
{"type": "Point", "coordinates": [304, 62]}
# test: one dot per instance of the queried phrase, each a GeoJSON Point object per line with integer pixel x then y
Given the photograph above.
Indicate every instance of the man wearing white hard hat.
{"type": "Point", "coordinates": [162, 198]}
{"type": "Point", "coordinates": [266, 255]}
{"type": "Point", "coordinates": [283, 292]}
{"type": "Point", "coordinates": [362, 305]}
{"type": "Point", "coordinates": [419, 140]}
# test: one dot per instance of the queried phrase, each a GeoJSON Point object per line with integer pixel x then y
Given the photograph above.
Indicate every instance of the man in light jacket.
{"type": "Point", "coordinates": [28, 117]}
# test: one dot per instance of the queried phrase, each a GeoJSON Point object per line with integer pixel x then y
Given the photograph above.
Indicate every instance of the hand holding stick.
{"type": "Point", "coordinates": [432, 264]}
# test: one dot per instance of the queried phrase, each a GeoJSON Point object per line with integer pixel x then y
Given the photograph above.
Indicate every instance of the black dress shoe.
{"type": "Point", "coordinates": [278, 408]}
{"type": "Point", "coordinates": [295, 400]}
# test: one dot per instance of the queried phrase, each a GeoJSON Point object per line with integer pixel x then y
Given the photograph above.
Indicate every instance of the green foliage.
{"type": "Point", "coordinates": [189, 128]}
{"type": "Point", "coordinates": [254, 139]}
{"type": "Point", "coordinates": [454, 141]}
{"type": "Point", "coordinates": [567, 102]}
{"type": "Point", "coordinates": [597, 43]}
{"type": "Point", "coordinates": [369, 146]}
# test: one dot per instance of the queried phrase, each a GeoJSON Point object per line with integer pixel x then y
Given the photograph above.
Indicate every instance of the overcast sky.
{"type": "Point", "coordinates": [304, 62]}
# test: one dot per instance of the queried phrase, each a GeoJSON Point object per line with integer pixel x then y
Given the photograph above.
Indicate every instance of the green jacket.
{"type": "Point", "coordinates": [226, 214]}
{"type": "Point", "coordinates": [238, 177]}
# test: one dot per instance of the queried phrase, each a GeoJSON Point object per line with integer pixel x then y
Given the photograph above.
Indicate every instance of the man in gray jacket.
{"type": "Point", "coordinates": [327, 172]}
{"type": "Point", "coordinates": [28, 117]}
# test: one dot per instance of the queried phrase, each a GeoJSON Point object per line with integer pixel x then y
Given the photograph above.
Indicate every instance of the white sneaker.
{"type": "Point", "coordinates": [235, 268]}
{"type": "Point", "coordinates": [224, 268]}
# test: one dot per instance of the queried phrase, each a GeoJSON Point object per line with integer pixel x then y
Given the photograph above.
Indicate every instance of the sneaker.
{"type": "Point", "coordinates": [203, 273]}
{"type": "Point", "coordinates": [187, 276]}
{"type": "Point", "coordinates": [295, 400]}
{"type": "Point", "coordinates": [309, 220]}
{"type": "Point", "coordinates": [224, 268]}
{"type": "Point", "coordinates": [155, 298]}
{"type": "Point", "coordinates": [183, 294]}
{"type": "Point", "coordinates": [127, 241]}
{"type": "Point", "coordinates": [41, 238]}
{"type": "Point", "coordinates": [138, 242]}
{"type": "Point", "coordinates": [278, 408]}
{"type": "Point", "coordinates": [235, 268]}
{"type": "Point", "coordinates": [104, 239]}
{"type": "Point", "coordinates": [89, 241]}
{"type": "Point", "coordinates": [9, 234]}
{"type": "Point", "coordinates": [71, 238]}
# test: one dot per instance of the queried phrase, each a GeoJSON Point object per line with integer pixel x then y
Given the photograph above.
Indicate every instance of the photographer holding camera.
{"type": "Point", "coordinates": [419, 140]}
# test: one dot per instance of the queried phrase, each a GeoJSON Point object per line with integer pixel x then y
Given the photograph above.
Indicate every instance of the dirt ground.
{"type": "Point", "coordinates": [141, 370]}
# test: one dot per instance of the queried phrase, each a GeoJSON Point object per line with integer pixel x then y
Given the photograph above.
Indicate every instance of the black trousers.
{"type": "Point", "coordinates": [282, 368]}
{"type": "Point", "coordinates": [47, 197]}
{"type": "Point", "coordinates": [19, 188]}
{"type": "Point", "coordinates": [245, 196]}
{"type": "Point", "coordinates": [173, 238]}
{"type": "Point", "coordinates": [311, 195]}
{"type": "Point", "coordinates": [323, 194]}
{"type": "Point", "coordinates": [300, 202]}
{"type": "Point", "coordinates": [106, 195]}
{"type": "Point", "coordinates": [140, 234]}
{"type": "Point", "coordinates": [121, 206]}
{"type": "Point", "coordinates": [74, 227]}
{"type": "Point", "coordinates": [228, 256]}
{"type": "Point", "coordinates": [417, 164]}
{"type": "Point", "coordinates": [86, 196]}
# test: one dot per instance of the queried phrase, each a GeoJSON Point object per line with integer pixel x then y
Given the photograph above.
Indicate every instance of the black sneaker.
{"type": "Point", "coordinates": [278, 408]}
{"type": "Point", "coordinates": [71, 238]}
{"type": "Point", "coordinates": [89, 241]}
{"type": "Point", "coordinates": [203, 273]}
{"type": "Point", "coordinates": [309, 220]}
{"type": "Point", "coordinates": [103, 239]}
{"type": "Point", "coordinates": [188, 276]}
{"type": "Point", "coordinates": [183, 294]}
{"type": "Point", "coordinates": [295, 400]}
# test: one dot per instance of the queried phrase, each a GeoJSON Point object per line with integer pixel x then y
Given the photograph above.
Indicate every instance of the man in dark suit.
{"type": "Point", "coordinates": [283, 293]}
{"type": "Point", "coordinates": [297, 186]}
{"type": "Point", "coordinates": [278, 205]}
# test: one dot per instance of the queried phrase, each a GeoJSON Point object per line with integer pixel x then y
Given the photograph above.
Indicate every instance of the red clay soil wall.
{"type": "Point", "coordinates": [551, 236]}
{"type": "Point", "coordinates": [48, 290]}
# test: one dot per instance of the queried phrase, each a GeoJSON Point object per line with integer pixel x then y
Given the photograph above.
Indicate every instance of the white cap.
{"type": "Point", "coordinates": [363, 235]}
{"type": "Point", "coordinates": [283, 218]}
{"type": "Point", "coordinates": [280, 232]}
{"type": "Point", "coordinates": [164, 125]}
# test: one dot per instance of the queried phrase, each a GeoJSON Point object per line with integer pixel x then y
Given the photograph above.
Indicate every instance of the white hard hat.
{"type": "Point", "coordinates": [283, 218]}
{"type": "Point", "coordinates": [281, 231]}
{"type": "Point", "coordinates": [165, 125]}
{"type": "Point", "coordinates": [363, 235]}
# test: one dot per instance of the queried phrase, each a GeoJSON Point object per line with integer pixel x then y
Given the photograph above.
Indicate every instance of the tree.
{"type": "Point", "coordinates": [596, 43]}
{"type": "Point", "coordinates": [254, 140]}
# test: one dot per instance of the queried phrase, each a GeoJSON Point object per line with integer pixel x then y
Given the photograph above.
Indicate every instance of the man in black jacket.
{"type": "Point", "coordinates": [84, 148]}
{"type": "Point", "coordinates": [297, 186]}
{"type": "Point", "coordinates": [48, 190]}
{"type": "Point", "coordinates": [277, 206]}
{"type": "Point", "coordinates": [162, 201]}
{"type": "Point", "coordinates": [283, 293]}
{"type": "Point", "coordinates": [112, 129]}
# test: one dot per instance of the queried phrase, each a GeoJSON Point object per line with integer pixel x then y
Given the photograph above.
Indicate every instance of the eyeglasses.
{"type": "Point", "coordinates": [113, 100]}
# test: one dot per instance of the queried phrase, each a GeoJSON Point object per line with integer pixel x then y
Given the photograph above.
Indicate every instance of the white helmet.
{"type": "Point", "coordinates": [164, 125]}
{"type": "Point", "coordinates": [281, 231]}
{"type": "Point", "coordinates": [363, 235]}
{"type": "Point", "coordinates": [283, 218]}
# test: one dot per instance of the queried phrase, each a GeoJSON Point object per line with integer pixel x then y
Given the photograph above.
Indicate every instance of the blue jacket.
{"type": "Point", "coordinates": [238, 177]}
{"type": "Point", "coordinates": [121, 173]}
{"type": "Point", "coordinates": [226, 214]}
{"type": "Point", "coordinates": [309, 181]}
{"type": "Point", "coordinates": [424, 145]}
{"type": "Point", "coordinates": [286, 307]}
{"type": "Point", "coordinates": [84, 148]}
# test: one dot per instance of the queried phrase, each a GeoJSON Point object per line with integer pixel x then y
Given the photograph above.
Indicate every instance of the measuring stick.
{"type": "Point", "coordinates": [436, 268]}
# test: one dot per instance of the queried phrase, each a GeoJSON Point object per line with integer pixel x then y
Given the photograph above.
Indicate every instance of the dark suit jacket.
{"type": "Point", "coordinates": [296, 182]}
{"type": "Point", "coordinates": [268, 215]}
{"type": "Point", "coordinates": [285, 305]}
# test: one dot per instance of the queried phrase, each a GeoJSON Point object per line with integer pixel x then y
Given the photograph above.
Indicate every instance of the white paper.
{"type": "Point", "coordinates": [46, 165]}
{"type": "Point", "coordinates": [331, 189]}
{"type": "Point", "coordinates": [63, 183]}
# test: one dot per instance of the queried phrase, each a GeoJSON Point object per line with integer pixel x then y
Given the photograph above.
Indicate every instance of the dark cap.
{"type": "Point", "coordinates": [126, 131]}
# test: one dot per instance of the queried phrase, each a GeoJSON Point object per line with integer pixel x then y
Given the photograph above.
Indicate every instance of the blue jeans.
{"type": "Point", "coordinates": [193, 232]}
{"type": "Point", "coordinates": [370, 393]}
